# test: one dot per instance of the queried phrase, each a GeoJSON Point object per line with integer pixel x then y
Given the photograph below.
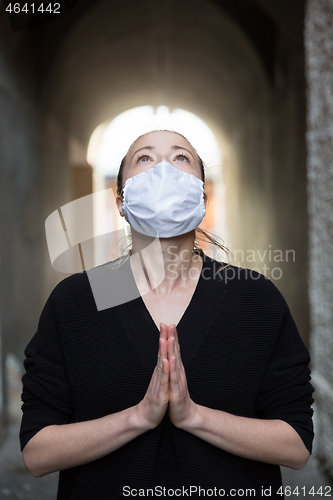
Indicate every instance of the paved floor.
{"type": "Point", "coordinates": [16, 482]}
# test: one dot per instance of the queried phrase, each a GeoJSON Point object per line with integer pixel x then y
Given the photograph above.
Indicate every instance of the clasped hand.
{"type": "Point", "coordinates": [167, 390]}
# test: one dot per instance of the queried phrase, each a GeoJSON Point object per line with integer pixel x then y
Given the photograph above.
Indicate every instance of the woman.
{"type": "Point", "coordinates": [229, 398]}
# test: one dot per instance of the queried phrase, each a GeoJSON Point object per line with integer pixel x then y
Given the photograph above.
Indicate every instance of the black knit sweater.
{"type": "Point", "coordinates": [242, 354]}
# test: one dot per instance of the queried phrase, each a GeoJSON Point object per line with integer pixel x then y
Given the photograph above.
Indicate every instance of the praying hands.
{"type": "Point", "coordinates": [271, 441]}
{"type": "Point", "coordinates": [168, 389]}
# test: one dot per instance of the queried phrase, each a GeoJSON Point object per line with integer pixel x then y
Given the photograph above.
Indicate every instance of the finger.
{"type": "Point", "coordinates": [163, 335]}
{"type": "Point", "coordinates": [173, 333]}
{"type": "Point", "coordinates": [162, 353]}
{"type": "Point", "coordinates": [159, 354]}
{"type": "Point", "coordinates": [171, 350]}
{"type": "Point", "coordinates": [179, 363]}
{"type": "Point", "coordinates": [163, 331]}
{"type": "Point", "coordinates": [163, 381]}
{"type": "Point", "coordinates": [173, 362]}
{"type": "Point", "coordinates": [170, 331]}
{"type": "Point", "coordinates": [177, 346]}
{"type": "Point", "coordinates": [159, 351]}
{"type": "Point", "coordinates": [175, 382]}
{"type": "Point", "coordinates": [165, 373]}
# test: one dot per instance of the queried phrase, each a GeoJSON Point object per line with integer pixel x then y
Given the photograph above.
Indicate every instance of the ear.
{"type": "Point", "coordinates": [205, 199]}
{"type": "Point", "coordinates": [119, 202]}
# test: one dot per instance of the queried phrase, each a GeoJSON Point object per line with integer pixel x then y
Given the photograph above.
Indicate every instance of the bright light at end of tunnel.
{"type": "Point", "coordinates": [110, 141]}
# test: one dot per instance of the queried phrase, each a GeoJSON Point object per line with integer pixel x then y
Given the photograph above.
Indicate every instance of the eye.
{"type": "Point", "coordinates": [182, 157]}
{"type": "Point", "coordinates": [143, 158]}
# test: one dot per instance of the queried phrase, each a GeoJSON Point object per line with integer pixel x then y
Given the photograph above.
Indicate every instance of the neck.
{"type": "Point", "coordinates": [165, 263]}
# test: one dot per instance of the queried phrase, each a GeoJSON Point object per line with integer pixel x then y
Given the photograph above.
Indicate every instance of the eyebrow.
{"type": "Point", "coordinates": [153, 147]}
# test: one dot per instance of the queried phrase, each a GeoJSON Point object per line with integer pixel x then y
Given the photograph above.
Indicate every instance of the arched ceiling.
{"type": "Point", "coordinates": [186, 54]}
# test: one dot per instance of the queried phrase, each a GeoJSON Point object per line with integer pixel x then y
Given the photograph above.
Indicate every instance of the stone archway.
{"type": "Point", "coordinates": [120, 56]}
{"type": "Point", "coordinates": [103, 57]}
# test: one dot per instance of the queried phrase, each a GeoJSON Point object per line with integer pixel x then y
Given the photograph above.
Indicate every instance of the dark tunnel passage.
{"type": "Point", "coordinates": [240, 69]}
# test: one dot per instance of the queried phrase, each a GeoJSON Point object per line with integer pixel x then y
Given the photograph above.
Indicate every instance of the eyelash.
{"type": "Point", "coordinates": [182, 154]}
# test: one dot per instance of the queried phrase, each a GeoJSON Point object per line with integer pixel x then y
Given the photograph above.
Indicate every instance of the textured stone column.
{"type": "Point", "coordinates": [319, 71]}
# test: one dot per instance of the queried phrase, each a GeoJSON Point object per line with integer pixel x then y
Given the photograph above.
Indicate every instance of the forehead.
{"type": "Point", "coordinates": [160, 139]}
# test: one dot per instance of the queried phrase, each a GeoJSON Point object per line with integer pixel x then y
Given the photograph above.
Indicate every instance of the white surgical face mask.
{"type": "Point", "coordinates": [163, 201]}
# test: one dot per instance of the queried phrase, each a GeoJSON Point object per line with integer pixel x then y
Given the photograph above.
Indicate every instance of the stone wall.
{"type": "Point", "coordinates": [319, 72]}
{"type": "Point", "coordinates": [21, 231]}
{"type": "Point", "coordinates": [34, 181]}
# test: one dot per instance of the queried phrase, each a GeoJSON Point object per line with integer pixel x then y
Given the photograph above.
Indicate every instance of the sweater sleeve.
{"type": "Point", "coordinates": [286, 391]}
{"type": "Point", "coordinates": [46, 394]}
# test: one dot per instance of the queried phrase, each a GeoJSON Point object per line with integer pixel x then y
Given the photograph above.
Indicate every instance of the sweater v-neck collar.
{"type": "Point", "coordinates": [193, 325]}
{"type": "Point", "coordinates": [150, 318]}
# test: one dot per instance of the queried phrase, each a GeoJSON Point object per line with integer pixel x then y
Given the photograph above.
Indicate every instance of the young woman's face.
{"type": "Point", "coordinates": [155, 147]}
